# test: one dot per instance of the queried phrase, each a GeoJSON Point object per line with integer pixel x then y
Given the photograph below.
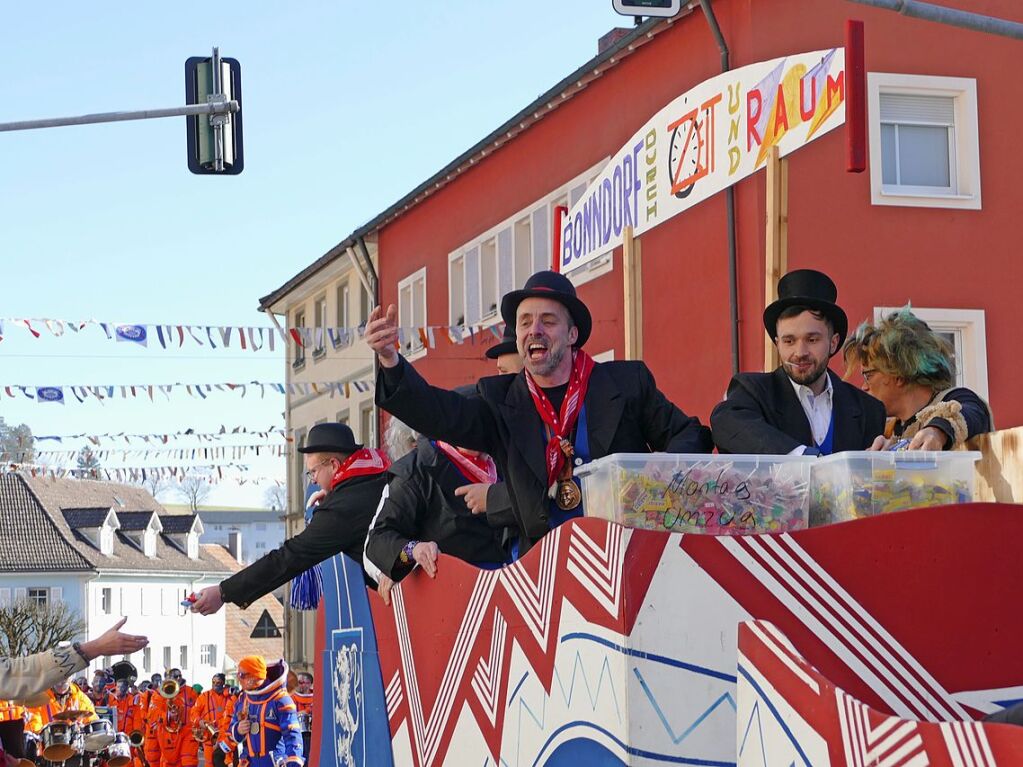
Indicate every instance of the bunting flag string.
{"type": "Point", "coordinates": [62, 394]}
{"type": "Point", "coordinates": [96, 439]}
{"type": "Point", "coordinates": [248, 338]}
{"type": "Point", "coordinates": [137, 474]}
{"type": "Point", "coordinates": [234, 452]}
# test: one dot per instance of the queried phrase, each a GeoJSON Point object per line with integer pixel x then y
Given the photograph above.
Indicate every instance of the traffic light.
{"type": "Point", "coordinates": [665, 8]}
{"type": "Point", "coordinates": [201, 87]}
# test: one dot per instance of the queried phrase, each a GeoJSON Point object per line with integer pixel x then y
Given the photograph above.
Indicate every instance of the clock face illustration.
{"type": "Point", "coordinates": [685, 151]}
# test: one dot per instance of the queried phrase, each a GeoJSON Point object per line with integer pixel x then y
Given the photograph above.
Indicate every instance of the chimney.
{"type": "Point", "coordinates": [234, 545]}
{"type": "Point", "coordinates": [611, 38]}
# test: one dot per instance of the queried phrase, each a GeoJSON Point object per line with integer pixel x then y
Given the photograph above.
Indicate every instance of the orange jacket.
{"type": "Point", "coordinates": [11, 711]}
{"type": "Point", "coordinates": [74, 700]}
{"type": "Point", "coordinates": [130, 716]}
{"type": "Point", "coordinates": [160, 709]}
{"type": "Point", "coordinates": [303, 701]}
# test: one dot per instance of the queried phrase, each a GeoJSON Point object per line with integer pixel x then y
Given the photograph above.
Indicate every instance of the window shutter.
{"type": "Point", "coordinates": [505, 278]}
{"type": "Point", "coordinates": [5, 597]}
{"type": "Point", "coordinates": [20, 594]}
{"type": "Point", "coordinates": [912, 108]}
{"type": "Point", "coordinates": [56, 594]}
{"type": "Point", "coordinates": [472, 286]}
{"type": "Point", "coordinates": [541, 240]}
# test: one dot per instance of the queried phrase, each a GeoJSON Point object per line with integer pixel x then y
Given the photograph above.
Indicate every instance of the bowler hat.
{"type": "Point", "coordinates": [507, 345]}
{"type": "Point", "coordinates": [558, 288]}
{"type": "Point", "coordinates": [330, 438]}
{"type": "Point", "coordinates": [812, 289]}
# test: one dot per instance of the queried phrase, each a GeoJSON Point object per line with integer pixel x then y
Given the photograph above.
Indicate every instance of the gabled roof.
{"type": "Point", "coordinates": [545, 104]}
{"type": "Point", "coordinates": [178, 524]}
{"type": "Point", "coordinates": [29, 539]}
{"type": "Point", "coordinates": [85, 518]}
{"type": "Point", "coordinates": [135, 508]}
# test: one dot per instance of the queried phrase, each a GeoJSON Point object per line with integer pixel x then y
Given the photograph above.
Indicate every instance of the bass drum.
{"type": "Point", "coordinates": [97, 735]}
{"type": "Point", "coordinates": [118, 753]}
{"type": "Point", "coordinates": [60, 741]}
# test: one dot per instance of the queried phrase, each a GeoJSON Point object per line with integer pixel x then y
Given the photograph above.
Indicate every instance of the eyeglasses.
{"type": "Point", "coordinates": [310, 473]}
{"type": "Point", "coordinates": [867, 373]}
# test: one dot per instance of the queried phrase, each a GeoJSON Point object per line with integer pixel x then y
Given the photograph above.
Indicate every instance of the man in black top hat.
{"type": "Point", "coordinates": [801, 407]}
{"type": "Point", "coordinates": [562, 410]}
{"type": "Point", "coordinates": [354, 477]}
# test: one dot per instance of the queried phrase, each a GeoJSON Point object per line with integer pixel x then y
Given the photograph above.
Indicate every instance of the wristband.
{"type": "Point", "coordinates": [406, 553]}
{"type": "Point", "coordinates": [77, 647]}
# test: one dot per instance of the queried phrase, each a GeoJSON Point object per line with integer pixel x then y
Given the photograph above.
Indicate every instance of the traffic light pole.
{"type": "Point", "coordinates": [213, 108]}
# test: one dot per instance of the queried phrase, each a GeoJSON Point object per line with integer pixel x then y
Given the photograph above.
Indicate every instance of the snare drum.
{"type": "Point", "coordinates": [305, 721]}
{"type": "Point", "coordinates": [61, 741]}
{"type": "Point", "coordinates": [97, 735]}
{"type": "Point", "coordinates": [118, 753]}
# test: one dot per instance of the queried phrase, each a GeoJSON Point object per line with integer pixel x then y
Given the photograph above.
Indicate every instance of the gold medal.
{"type": "Point", "coordinates": [568, 495]}
{"type": "Point", "coordinates": [254, 729]}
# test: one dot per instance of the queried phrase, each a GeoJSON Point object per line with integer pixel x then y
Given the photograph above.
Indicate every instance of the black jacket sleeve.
{"type": "Point", "coordinates": [740, 424]}
{"type": "Point", "coordinates": [666, 428]}
{"type": "Point", "coordinates": [974, 411]}
{"type": "Point", "coordinates": [499, 507]}
{"type": "Point", "coordinates": [443, 414]}
{"type": "Point", "coordinates": [323, 537]}
{"type": "Point", "coordinates": [398, 521]}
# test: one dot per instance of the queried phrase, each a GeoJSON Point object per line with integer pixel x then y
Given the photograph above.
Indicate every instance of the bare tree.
{"type": "Point", "coordinates": [27, 627]}
{"type": "Point", "coordinates": [194, 488]}
{"type": "Point", "coordinates": [276, 497]}
{"type": "Point", "coordinates": [16, 443]}
{"type": "Point", "coordinates": [154, 483]}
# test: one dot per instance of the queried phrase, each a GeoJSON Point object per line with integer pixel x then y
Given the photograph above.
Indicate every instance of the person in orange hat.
{"type": "Point", "coordinates": [304, 696]}
{"type": "Point", "coordinates": [264, 721]}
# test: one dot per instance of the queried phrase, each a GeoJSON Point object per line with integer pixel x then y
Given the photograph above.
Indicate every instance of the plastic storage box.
{"type": "Point", "coordinates": [859, 484]}
{"type": "Point", "coordinates": [716, 494]}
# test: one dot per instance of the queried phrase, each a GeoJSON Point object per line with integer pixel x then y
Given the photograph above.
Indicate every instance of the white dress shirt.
{"type": "Point", "coordinates": [818, 411]}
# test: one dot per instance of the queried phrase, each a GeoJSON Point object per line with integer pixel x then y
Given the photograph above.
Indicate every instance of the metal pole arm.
{"type": "Point", "coordinates": [951, 16]}
{"type": "Point", "coordinates": [212, 108]}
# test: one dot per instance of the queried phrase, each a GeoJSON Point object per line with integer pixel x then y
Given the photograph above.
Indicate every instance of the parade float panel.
{"type": "Point", "coordinates": [790, 713]}
{"type": "Point", "coordinates": [618, 646]}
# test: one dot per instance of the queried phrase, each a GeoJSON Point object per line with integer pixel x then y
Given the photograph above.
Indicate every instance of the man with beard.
{"type": "Point", "coordinates": [561, 411]}
{"type": "Point", "coordinates": [801, 407]}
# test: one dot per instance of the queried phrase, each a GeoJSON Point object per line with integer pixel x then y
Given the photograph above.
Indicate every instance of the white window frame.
{"type": "Point", "coordinates": [968, 326]}
{"type": "Point", "coordinates": [298, 323]}
{"type": "Point", "coordinates": [319, 327]}
{"type": "Point", "coordinates": [367, 435]}
{"type": "Point", "coordinates": [106, 598]}
{"type": "Point", "coordinates": [413, 348]}
{"type": "Point", "coordinates": [559, 196]}
{"type": "Point", "coordinates": [965, 144]}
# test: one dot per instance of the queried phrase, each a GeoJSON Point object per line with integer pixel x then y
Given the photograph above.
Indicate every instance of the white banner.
{"type": "Point", "coordinates": [702, 142]}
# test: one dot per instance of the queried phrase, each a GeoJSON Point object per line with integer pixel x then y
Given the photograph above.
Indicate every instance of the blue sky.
{"type": "Point", "coordinates": [347, 106]}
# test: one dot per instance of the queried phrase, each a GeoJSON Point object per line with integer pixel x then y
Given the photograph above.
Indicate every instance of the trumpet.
{"type": "Point", "coordinates": [136, 738]}
{"type": "Point", "coordinates": [170, 688]}
{"type": "Point", "coordinates": [204, 732]}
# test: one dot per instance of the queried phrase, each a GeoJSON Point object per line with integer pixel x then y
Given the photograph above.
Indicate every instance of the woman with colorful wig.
{"type": "Point", "coordinates": [911, 369]}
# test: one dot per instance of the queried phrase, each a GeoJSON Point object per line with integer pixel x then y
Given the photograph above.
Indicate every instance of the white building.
{"type": "Point", "coordinates": [259, 531]}
{"type": "Point", "coordinates": [108, 550]}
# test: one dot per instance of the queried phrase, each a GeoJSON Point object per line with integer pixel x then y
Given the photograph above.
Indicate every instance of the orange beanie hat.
{"type": "Point", "coordinates": [253, 665]}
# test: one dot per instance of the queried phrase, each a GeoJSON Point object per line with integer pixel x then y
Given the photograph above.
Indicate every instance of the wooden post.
{"type": "Point", "coordinates": [632, 279]}
{"type": "Point", "coordinates": [777, 239]}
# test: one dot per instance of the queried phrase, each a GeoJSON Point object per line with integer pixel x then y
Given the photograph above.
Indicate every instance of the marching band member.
{"type": "Point", "coordinates": [264, 721]}
{"type": "Point", "coordinates": [170, 711]}
{"type": "Point", "coordinates": [227, 747]}
{"type": "Point", "coordinates": [63, 696]}
{"type": "Point", "coordinates": [207, 716]}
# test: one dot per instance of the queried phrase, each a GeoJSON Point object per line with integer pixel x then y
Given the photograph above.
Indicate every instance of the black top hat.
{"type": "Point", "coordinates": [330, 438]}
{"type": "Point", "coordinates": [556, 287]}
{"type": "Point", "coordinates": [507, 345]}
{"type": "Point", "coordinates": [812, 289]}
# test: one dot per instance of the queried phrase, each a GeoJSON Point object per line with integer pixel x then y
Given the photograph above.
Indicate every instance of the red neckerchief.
{"type": "Point", "coordinates": [475, 468]}
{"type": "Point", "coordinates": [360, 463]}
{"type": "Point", "coordinates": [561, 425]}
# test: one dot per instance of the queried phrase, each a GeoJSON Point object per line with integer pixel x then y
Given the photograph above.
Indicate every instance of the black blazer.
{"type": "Point", "coordinates": [338, 526]}
{"type": "Point", "coordinates": [762, 414]}
{"type": "Point", "coordinates": [421, 505]}
{"type": "Point", "coordinates": [625, 413]}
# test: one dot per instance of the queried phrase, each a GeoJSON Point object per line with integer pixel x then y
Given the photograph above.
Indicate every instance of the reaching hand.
{"type": "Point", "coordinates": [475, 496]}
{"type": "Point", "coordinates": [425, 553]}
{"type": "Point", "coordinates": [384, 586]}
{"type": "Point", "coordinates": [316, 498]}
{"type": "Point", "coordinates": [113, 642]}
{"type": "Point", "coordinates": [382, 335]}
{"type": "Point", "coordinates": [928, 438]}
{"type": "Point", "coordinates": [880, 443]}
{"type": "Point", "coordinates": [244, 726]}
{"type": "Point", "coordinates": [208, 601]}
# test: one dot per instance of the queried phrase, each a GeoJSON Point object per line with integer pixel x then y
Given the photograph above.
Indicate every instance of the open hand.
{"type": "Point", "coordinates": [425, 553]}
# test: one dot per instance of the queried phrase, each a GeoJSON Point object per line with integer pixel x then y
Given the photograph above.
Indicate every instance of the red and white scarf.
{"type": "Point", "coordinates": [360, 463]}
{"type": "Point", "coordinates": [561, 425]}
{"type": "Point", "coordinates": [475, 468]}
